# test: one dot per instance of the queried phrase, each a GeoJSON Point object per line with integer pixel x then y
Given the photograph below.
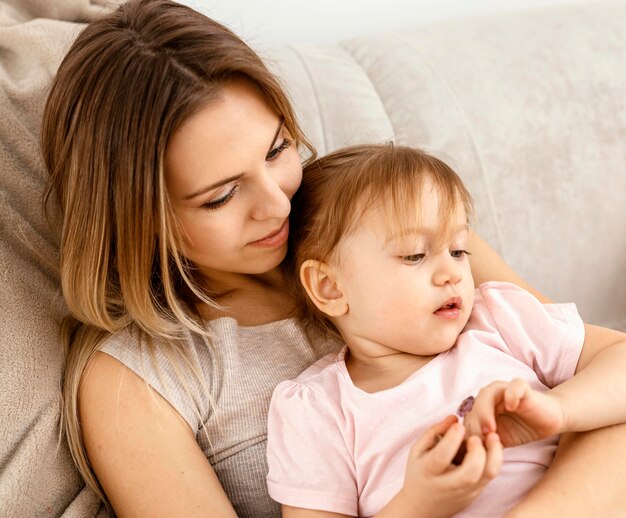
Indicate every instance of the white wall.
{"type": "Point", "coordinates": [266, 22]}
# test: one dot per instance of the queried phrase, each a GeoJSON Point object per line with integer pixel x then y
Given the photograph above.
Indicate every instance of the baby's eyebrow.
{"type": "Point", "coordinates": [425, 231]}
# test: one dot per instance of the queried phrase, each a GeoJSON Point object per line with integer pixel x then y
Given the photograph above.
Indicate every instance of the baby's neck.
{"type": "Point", "coordinates": [373, 374]}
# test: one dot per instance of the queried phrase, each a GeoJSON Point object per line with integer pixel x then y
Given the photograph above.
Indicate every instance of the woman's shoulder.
{"type": "Point", "coordinates": [145, 353]}
{"type": "Point", "coordinates": [176, 368]}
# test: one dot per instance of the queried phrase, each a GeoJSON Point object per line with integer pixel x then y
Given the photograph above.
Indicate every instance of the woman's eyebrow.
{"type": "Point", "coordinates": [281, 123]}
{"type": "Point", "coordinates": [208, 188]}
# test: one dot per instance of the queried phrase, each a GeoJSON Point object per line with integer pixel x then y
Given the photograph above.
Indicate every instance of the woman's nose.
{"type": "Point", "coordinates": [270, 201]}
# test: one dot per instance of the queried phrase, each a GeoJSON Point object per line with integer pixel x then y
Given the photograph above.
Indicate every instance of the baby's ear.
{"type": "Point", "coordinates": [318, 281]}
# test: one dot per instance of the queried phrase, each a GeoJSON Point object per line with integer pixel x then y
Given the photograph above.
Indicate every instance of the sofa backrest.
{"type": "Point", "coordinates": [528, 107]}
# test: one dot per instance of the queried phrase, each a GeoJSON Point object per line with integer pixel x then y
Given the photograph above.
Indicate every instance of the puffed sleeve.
{"type": "Point", "coordinates": [547, 337]}
{"type": "Point", "coordinates": [310, 465]}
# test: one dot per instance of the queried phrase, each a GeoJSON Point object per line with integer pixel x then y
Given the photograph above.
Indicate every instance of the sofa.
{"type": "Point", "coordinates": [529, 107]}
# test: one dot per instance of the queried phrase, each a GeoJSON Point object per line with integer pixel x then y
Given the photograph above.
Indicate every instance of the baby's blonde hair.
{"type": "Point", "coordinates": [340, 187]}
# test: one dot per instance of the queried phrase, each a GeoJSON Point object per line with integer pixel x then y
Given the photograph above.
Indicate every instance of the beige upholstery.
{"type": "Point", "coordinates": [529, 107]}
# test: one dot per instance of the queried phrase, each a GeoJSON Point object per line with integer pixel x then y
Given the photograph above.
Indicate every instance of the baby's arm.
{"type": "Point", "coordinates": [432, 486]}
{"type": "Point", "coordinates": [593, 398]}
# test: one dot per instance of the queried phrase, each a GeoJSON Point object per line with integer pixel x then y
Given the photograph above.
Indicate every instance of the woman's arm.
{"type": "Point", "coordinates": [586, 477]}
{"type": "Point", "coordinates": [487, 265]}
{"type": "Point", "coordinates": [143, 452]}
{"type": "Point", "coordinates": [595, 396]}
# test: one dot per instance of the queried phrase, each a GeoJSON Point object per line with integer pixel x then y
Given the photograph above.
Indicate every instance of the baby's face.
{"type": "Point", "coordinates": [411, 293]}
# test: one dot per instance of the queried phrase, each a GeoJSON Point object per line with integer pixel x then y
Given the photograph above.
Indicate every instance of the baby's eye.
{"type": "Point", "coordinates": [458, 254]}
{"type": "Point", "coordinates": [413, 258]}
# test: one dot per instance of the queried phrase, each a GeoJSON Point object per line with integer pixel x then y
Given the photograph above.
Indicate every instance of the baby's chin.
{"type": "Point", "coordinates": [446, 347]}
{"type": "Point", "coordinates": [433, 348]}
{"type": "Point", "coordinates": [447, 343]}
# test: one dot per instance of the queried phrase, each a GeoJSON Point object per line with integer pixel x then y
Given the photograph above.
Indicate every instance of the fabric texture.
{"type": "Point", "coordinates": [528, 106]}
{"type": "Point", "coordinates": [239, 369]}
{"type": "Point", "coordinates": [334, 447]}
{"type": "Point", "coordinates": [37, 475]}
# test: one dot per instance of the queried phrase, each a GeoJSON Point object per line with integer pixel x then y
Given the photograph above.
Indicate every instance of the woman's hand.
{"type": "Point", "coordinates": [435, 487]}
{"type": "Point", "coordinates": [516, 412]}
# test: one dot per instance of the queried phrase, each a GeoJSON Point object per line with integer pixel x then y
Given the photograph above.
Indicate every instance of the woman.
{"type": "Point", "coordinates": [173, 154]}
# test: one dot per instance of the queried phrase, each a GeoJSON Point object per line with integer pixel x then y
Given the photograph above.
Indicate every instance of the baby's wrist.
{"type": "Point", "coordinates": [560, 411]}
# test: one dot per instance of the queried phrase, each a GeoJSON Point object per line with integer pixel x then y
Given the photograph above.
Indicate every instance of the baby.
{"type": "Point", "coordinates": [380, 245]}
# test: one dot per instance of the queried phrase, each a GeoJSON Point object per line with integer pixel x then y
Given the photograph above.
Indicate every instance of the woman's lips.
{"type": "Point", "coordinates": [275, 238]}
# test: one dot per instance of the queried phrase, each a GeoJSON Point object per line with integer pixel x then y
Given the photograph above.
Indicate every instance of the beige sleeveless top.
{"type": "Point", "coordinates": [240, 369]}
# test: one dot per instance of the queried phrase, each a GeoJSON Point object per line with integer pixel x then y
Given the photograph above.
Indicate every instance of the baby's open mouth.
{"type": "Point", "coordinates": [452, 303]}
{"type": "Point", "coordinates": [451, 309]}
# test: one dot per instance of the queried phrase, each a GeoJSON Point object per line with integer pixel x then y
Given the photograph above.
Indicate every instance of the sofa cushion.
{"type": "Point", "coordinates": [529, 108]}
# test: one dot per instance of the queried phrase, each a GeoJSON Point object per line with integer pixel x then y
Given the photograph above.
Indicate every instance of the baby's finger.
{"type": "Point", "coordinates": [493, 463]}
{"type": "Point", "coordinates": [470, 472]}
{"type": "Point", "coordinates": [514, 393]}
{"type": "Point", "coordinates": [483, 411]}
{"type": "Point", "coordinates": [440, 456]}
{"type": "Point", "coordinates": [472, 423]}
{"type": "Point", "coordinates": [431, 436]}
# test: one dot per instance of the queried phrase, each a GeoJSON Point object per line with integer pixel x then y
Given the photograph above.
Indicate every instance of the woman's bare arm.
{"type": "Point", "coordinates": [487, 265]}
{"type": "Point", "coordinates": [586, 477]}
{"type": "Point", "coordinates": [142, 451]}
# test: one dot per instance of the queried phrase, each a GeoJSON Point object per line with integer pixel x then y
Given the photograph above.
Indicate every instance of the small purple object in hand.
{"type": "Point", "coordinates": [465, 406]}
{"type": "Point", "coordinates": [463, 409]}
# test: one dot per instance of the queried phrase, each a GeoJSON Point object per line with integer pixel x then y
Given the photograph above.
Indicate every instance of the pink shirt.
{"type": "Point", "coordinates": [334, 447]}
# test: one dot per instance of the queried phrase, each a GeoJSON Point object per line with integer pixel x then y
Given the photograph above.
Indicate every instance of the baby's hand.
{"type": "Point", "coordinates": [433, 486]}
{"type": "Point", "coordinates": [516, 412]}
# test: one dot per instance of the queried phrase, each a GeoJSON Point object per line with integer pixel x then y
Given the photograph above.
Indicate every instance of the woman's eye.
{"type": "Point", "coordinates": [458, 254]}
{"type": "Point", "coordinates": [216, 204]}
{"type": "Point", "coordinates": [413, 258]}
{"type": "Point", "coordinates": [274, 153]}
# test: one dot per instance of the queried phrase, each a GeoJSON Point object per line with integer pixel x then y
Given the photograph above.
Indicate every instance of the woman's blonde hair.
{"type": "Point", "coordinates": [339, 188]}
{"type": "Point", "coordinates": [127, 83]}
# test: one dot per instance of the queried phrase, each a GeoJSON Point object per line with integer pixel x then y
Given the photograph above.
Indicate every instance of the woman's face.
{"type": "Point", "coordinates": [231, 171]}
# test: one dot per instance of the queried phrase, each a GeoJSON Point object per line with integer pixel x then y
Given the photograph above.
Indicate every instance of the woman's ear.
{"type": "Point", "coordinates": [318, 281]}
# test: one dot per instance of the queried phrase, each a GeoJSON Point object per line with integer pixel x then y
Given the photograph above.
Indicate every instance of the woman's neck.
{"type": "Point", "coordinates": [249, 299]}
